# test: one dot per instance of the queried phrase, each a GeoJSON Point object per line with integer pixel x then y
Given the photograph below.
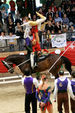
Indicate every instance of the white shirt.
{"type": "Point", "coordinates": [3, 41]}
{"type": "Point", "coordinates": [62, 78]}
{"type": "Point", "coordinates": [27, 29]}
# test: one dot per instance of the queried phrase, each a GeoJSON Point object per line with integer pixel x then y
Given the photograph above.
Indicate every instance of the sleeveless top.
{"type": "Point", "coordinates": [43, 95]}
{"type": "Point", "coordinates": [62, 85]}
{"type": "Point", "coordinates": [28, 83]}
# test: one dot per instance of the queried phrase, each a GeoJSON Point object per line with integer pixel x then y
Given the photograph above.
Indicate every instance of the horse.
{"type": "Point", "coordinates": [44, 63]}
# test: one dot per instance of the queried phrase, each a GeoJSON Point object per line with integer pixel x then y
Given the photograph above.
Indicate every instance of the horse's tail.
{"type": "Point", "coordinates": [67, 63]}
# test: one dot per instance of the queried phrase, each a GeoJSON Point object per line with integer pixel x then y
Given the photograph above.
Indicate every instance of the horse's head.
{"type": "Point", "coordinates": [19, 60]}
{"type": "Point", "coordinates": [8, 66]}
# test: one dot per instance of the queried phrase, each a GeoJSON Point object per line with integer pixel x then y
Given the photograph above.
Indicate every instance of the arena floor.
{"type": "Point", "coordinates": [12, 98]}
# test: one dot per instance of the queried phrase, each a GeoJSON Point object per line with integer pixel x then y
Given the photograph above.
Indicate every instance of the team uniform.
{"type": "Point", "coordinates": [71, 100]}
{"type": "Point", "coordinates": [30, 85]}
{"type": "Point", "coordinates": [62, 86]}
{"type": "Point", "coordinates": [44, 96]}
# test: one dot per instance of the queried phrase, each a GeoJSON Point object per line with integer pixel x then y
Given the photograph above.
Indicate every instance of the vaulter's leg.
{"type": "Point", "coordinates": [32, 59]}
{"type": "Point", "coordinates": [36, 59]}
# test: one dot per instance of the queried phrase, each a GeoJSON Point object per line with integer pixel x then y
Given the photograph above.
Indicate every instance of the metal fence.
{"type": "Point", "coordinates": [70, 36]}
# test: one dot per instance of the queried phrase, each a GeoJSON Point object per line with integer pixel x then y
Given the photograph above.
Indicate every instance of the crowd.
{"type": "Point", "coordinates": [41, 90]}
{"type": "Point", "coordinates": [59, 19]}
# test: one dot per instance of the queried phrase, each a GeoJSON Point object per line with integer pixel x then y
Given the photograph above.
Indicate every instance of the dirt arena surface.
{"type": "Point", "coordinates": [12, 98]}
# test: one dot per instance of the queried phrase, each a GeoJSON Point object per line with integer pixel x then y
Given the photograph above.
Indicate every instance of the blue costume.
{"type": "Point", "coordinates": [44, 96]}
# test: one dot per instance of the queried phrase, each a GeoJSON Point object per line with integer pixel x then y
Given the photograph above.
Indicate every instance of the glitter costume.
{"type": "Point", "coordinates": [44, 96]}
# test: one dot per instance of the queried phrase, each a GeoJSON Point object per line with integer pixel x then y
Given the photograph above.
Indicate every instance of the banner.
{"type": "Point", "coordinates": [8, 37]}
{"type": "Point", "coordinates": [58, 40]}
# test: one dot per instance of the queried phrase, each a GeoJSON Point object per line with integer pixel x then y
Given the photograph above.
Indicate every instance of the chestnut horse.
{"type": "Point", "coordinates": [44, 63]}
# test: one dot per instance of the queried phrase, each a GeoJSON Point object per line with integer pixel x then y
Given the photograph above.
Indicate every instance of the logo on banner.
{"type": "Point", "coordinates": [58, 40]}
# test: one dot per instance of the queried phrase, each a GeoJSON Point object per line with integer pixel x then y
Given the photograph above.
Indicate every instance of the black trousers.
{"type": "Point", "coordinates": [30, 98]}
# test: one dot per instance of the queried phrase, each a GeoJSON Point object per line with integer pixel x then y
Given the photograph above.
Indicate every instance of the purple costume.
{"type": "Point", "coordinates": [62, 85]}
{"type": "Point", "coordinates": [62, 96]}
{"type": "Point", "coordinates": [28, 82]}
{"type": "Point", "coordinates": [30, 95]}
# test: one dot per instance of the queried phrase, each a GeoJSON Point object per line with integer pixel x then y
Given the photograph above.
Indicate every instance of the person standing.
{"type": "Point", "coordinates": [43, 95]}
{"type": "Point", "coordinates": [19, 32]}
{"type": "Point", "coordinates": [12, 7]}
{"type": "Point", "coordinates": [2, 40]}
{"type": "Point", "coordinates": [5, 5]}
{"type": "Point", "coordinates": [30, 85]}
{"type": "Point", "coordinates": [62, 86]}
{"type": "Point", "coordinates": [73, 89]}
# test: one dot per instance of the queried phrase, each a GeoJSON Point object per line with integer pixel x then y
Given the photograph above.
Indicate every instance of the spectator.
{"type": "Point", "coordinates": [53, 8]}
{"type": "Point", "coordinates": [64, 29]}
{"type": "Point", "coordinates": [68, 13]}
{"type": "Point", "coordinates": [51, 19]}
{"type": "Point", "coordinates": [2, 40]}
{"type": "Point", "coordinates": [4, 14]}
{"type": "Point", "coordinates": [60, 12]}
{"type": "Point", "coordinates": [11, 42]}
{"type": "Point", "coordinates": [57, 27]}
{"type": "Point", "coordinates": [6, 6]}
{"type": "Point", "coordinates": [44, 9]}
{"type": "Point", "coordinates": [72, 30]}
{"type": "Point", "coordinates": [57, 18]}
{"type": "Point", "coordinates": [30, 85]}
{"type": "Point", "coordinates": [18, 18]}
{"type": "Point", "coordinates": [19, 5]}
{"type": "Point", "coordinates": [49, 13]}
{"type": "Point", "coordinates": [11, 27]}
{"type": "Point", "coordinates": [48, 39]}
{"type": "Point", "coordinates": [41, 11]}
{"type": "Point", "coordinates": [9, 17]}
{"type": "Point", "coordinates": [19, 32]}
{"type": "Point", "coordinates": [65, 20]}
{"type": "Point", "coordinates": [12, 7]}
{"type": "Point", "coordinates": [53, 32]}
{"type": "Point", "coordinates": [49, 26]}
{"type": "Point", "coordinates": [73, 14]}
{"type": "Point", "coordinates": [48, 3]}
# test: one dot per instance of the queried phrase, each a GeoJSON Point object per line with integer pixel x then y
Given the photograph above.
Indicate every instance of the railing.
{"type": "Point", "coordinates": [17, 79]}
{"type": "Point", "coordinates": [12, 79]}
{"type": "Point", "coordinates": [6, 48]}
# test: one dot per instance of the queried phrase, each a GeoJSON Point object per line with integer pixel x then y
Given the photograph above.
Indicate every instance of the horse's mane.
{"type": "Point", "coordinates": [17, 56]}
